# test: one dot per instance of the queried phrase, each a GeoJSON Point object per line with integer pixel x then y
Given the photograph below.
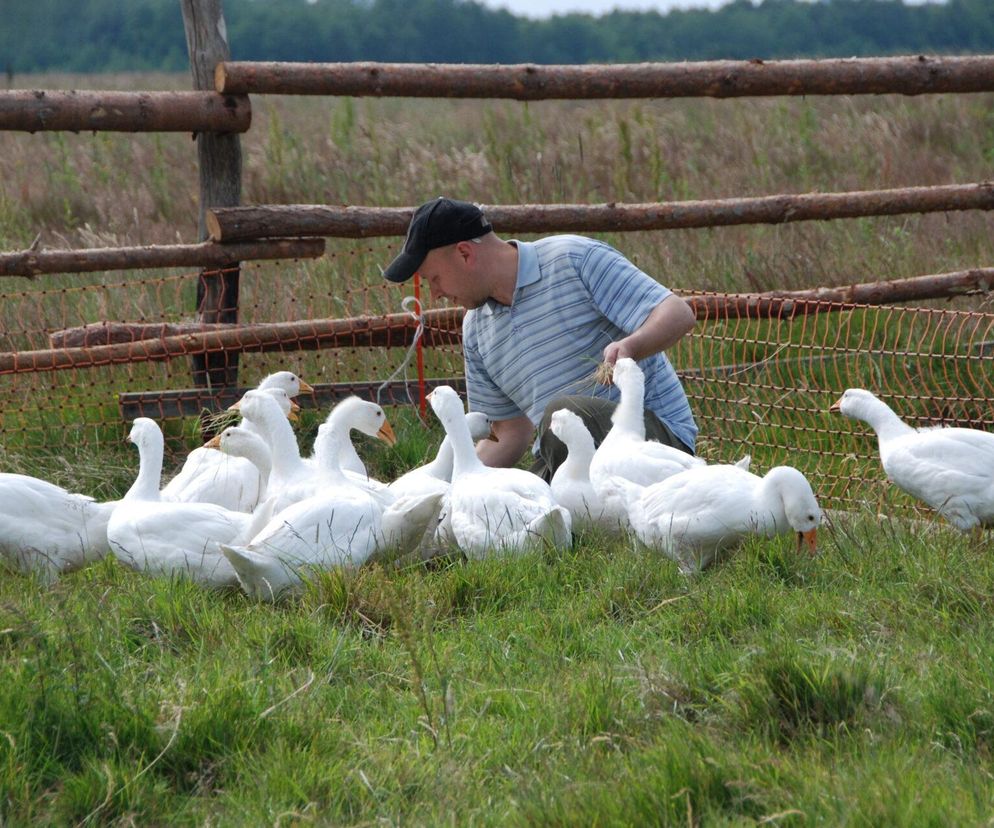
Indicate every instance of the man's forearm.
{"type": "Point", "coordinates": [667, 324]}
{"type": "Point", "coordinates": [513, 438]}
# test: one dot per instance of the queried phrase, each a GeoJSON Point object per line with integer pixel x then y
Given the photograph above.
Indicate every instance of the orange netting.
{"type": "Point", "coordinates": [757, 386]}
{"type": "Point", "coordinates": [764, 387]}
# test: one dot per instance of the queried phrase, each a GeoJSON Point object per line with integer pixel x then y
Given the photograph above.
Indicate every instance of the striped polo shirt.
{"type": "Point", "coordinates": [574, 296]}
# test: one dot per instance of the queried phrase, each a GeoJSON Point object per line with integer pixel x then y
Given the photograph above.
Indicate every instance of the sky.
{"type": "Point", "coordinates": [546, 8]}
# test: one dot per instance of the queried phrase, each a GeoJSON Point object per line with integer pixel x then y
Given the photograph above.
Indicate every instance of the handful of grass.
{"type": "Point", "coordinates": [603, 373]}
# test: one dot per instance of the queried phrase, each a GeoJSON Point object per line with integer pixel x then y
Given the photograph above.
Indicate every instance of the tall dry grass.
{"type": "Point", "coordinates": [131, 189]}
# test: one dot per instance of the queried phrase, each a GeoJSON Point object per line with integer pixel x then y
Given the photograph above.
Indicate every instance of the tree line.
{"type": "Point", "coordinates": [109, 36]}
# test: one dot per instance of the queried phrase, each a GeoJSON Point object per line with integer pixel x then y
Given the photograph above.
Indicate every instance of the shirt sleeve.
{"type": "Point", "coordinates": [482, 392]}
{"type": "Point", "coordinates": [624, 294]}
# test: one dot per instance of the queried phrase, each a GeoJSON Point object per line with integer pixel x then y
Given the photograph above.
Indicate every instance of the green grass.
{"type": "Point", "coordinates": [591, 686]}
{"type": "Point", "coordinates": [594, 686]}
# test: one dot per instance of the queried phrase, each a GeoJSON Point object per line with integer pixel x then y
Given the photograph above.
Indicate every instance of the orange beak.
{"type": "Point", "coordinates": [808, 539]}
{"type": "Point", "coordinates": [386, 434]}
{"type": "Point", "coordinates": [306, 388]}
{"type": "Point", "coordinates": [214, 442]}
{"type": "Point", "coordinates": [837, 405]}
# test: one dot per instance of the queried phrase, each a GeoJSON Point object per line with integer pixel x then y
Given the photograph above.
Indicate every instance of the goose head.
{"type": "Point", "coordinates": [146, 434]}
{"type": "Point", "coordinates": [261, 406]}
{"type": "Point", "coordinates": [627, 373]}
{"type": "Point", "coordinates": [568, 427]}
{"type": "Point", "coordinates": [446, 404]}
{"type": "Point", "coordinates": [481, 427]}
{"type": "Point", "coordinates": [630, 380]}
{"type": "Point", "coordinates": [860, 404]}
{"type": "Point", "coordinates": [362, 415]}
{"type": "Point", "coordinates": [799, 504]}
{"type": "Point", "coordinates": [287, 406]}
{"type": "Point", "coordinates": [288, 381]}
{"type": "Point", "coordinates": [856, 403]}
{"type": "Point", "coordinates": [238, 441]}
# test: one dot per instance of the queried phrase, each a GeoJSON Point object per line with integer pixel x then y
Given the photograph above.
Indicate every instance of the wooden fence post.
{"type": "Point", "coordinates": [220, 160]}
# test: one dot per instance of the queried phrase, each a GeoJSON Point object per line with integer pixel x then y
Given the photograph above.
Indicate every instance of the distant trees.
{"type": "Point", "coordinates": [108, 35]}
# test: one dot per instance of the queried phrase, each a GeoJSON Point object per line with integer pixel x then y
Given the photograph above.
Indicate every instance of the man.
{"type": "Point", "coordinates": [539, 318]}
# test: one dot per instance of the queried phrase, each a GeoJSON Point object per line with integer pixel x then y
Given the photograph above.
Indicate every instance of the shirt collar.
{"type": "Point", "coordinates": [528, 272]}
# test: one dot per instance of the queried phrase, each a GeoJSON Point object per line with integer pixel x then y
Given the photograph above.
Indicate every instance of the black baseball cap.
{"type": "Point", "coordinates": [436, 223]}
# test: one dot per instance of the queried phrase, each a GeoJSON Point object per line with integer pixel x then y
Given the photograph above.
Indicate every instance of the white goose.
{"type": "Point", "coordinates": [290, 478]}
{"type": "Point", "coordinates": [228, 480]}
{"type": "Point", "coordinates": [47, 530]}
{"type": "Point", "coordinates": [436, 476]}
{"type": "Point", "coordinates": [950, 469]}
{"type": "Point", "coordinates": [287, 381]}
{"type": "Point", "coordinates": [333, 445]}
{"type": "Point", "coordinates": [698, 513]}
{"type": "Point", "coordinates": [440, 467]}
{"type": "Point", "coordinates": [625, 454]}
{"type": "Point", "coordinates": [244, 442]}
{"type": "Point", "coordinates": [571, 484]}
{"type": "Point", "coordinates": [162, 538]}
{"type": "Point", "coordinates": [405, 510]}
{"type": "Point", "coordinates": [494, 511]}
{"type": "Point", "coordinates": [343, 524]}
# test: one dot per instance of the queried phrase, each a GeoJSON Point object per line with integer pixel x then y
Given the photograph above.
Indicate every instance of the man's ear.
{"type": "Point", "coordinates": [466, 251]}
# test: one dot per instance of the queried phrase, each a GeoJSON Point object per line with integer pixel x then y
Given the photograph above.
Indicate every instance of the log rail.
{"type": "Point", "coordinates": [906, 75]}
{"type": "Point", "coordinates": [228, 224]}
{"type": "Point", "coordinates": [193, 402]}
{"type": "Point", "coordinates": [32, 262]}
{"type": "Point", "coordinates": [112, 111]}
{"type": "Point", "coordinates": [443, 326]}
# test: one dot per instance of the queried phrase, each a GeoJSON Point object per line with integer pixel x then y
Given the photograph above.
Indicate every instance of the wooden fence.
{"type": "Point", "coordinates": [240, 233]}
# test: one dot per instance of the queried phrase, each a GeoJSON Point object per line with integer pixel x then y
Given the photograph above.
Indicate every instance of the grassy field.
{"type": "Point", "coordinates": [595, 686]}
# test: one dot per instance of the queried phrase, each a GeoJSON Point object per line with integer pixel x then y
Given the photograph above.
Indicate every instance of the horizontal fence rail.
{"type": "Point", "coordinates": [112, 111]}
{"type": "Point", "coordinates": [227, 224]}
{"type": "Point", "coordinates": [442, 326]}
{"type": "Point", "coordinates": [30, 263]}
{"type": "Point", "coordinates": [390, 330]}
{"type": "Point", "coordinates": [909, 75]}
{"type": "Point", "coordinates": [195, 401]}
{"type": "Point", "coordinates": [786, 304]}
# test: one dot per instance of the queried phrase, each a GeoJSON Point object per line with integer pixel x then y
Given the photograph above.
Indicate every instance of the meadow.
{"type": "Point", "coordinates": [594, 686]}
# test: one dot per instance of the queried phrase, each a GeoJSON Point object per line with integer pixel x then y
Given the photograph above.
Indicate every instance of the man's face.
{"type": "Point", "coordinates": [450, 275]}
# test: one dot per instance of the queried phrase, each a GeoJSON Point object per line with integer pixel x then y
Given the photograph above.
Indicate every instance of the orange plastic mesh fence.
{"type": "Point", "coordinates": [764, 387]}
{"type": "Point", "coordinates": [42, 409]}
{"type": "Point", "coordinates": [757, 386]}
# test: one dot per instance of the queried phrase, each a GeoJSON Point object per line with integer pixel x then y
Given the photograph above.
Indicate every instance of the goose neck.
{"type": "Point", "coordinates": [333, 438]}
{"type": "Point", "coordinates": [770, 496]}
{"type": "Point", "coordinates": [884, 421]}
{"type": "Point", "coordinates": [464, 457]}
{"type": "Point", "coordinates": [577, 462]}
{"type": "Point", "coordinates": [285, 457]}
{"type": "Point", "coordinates": [441, 465]}
{"type": "Point", "coordinates": [146, 485]}
{"type": "Point", "coordinates": [630, 414]}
